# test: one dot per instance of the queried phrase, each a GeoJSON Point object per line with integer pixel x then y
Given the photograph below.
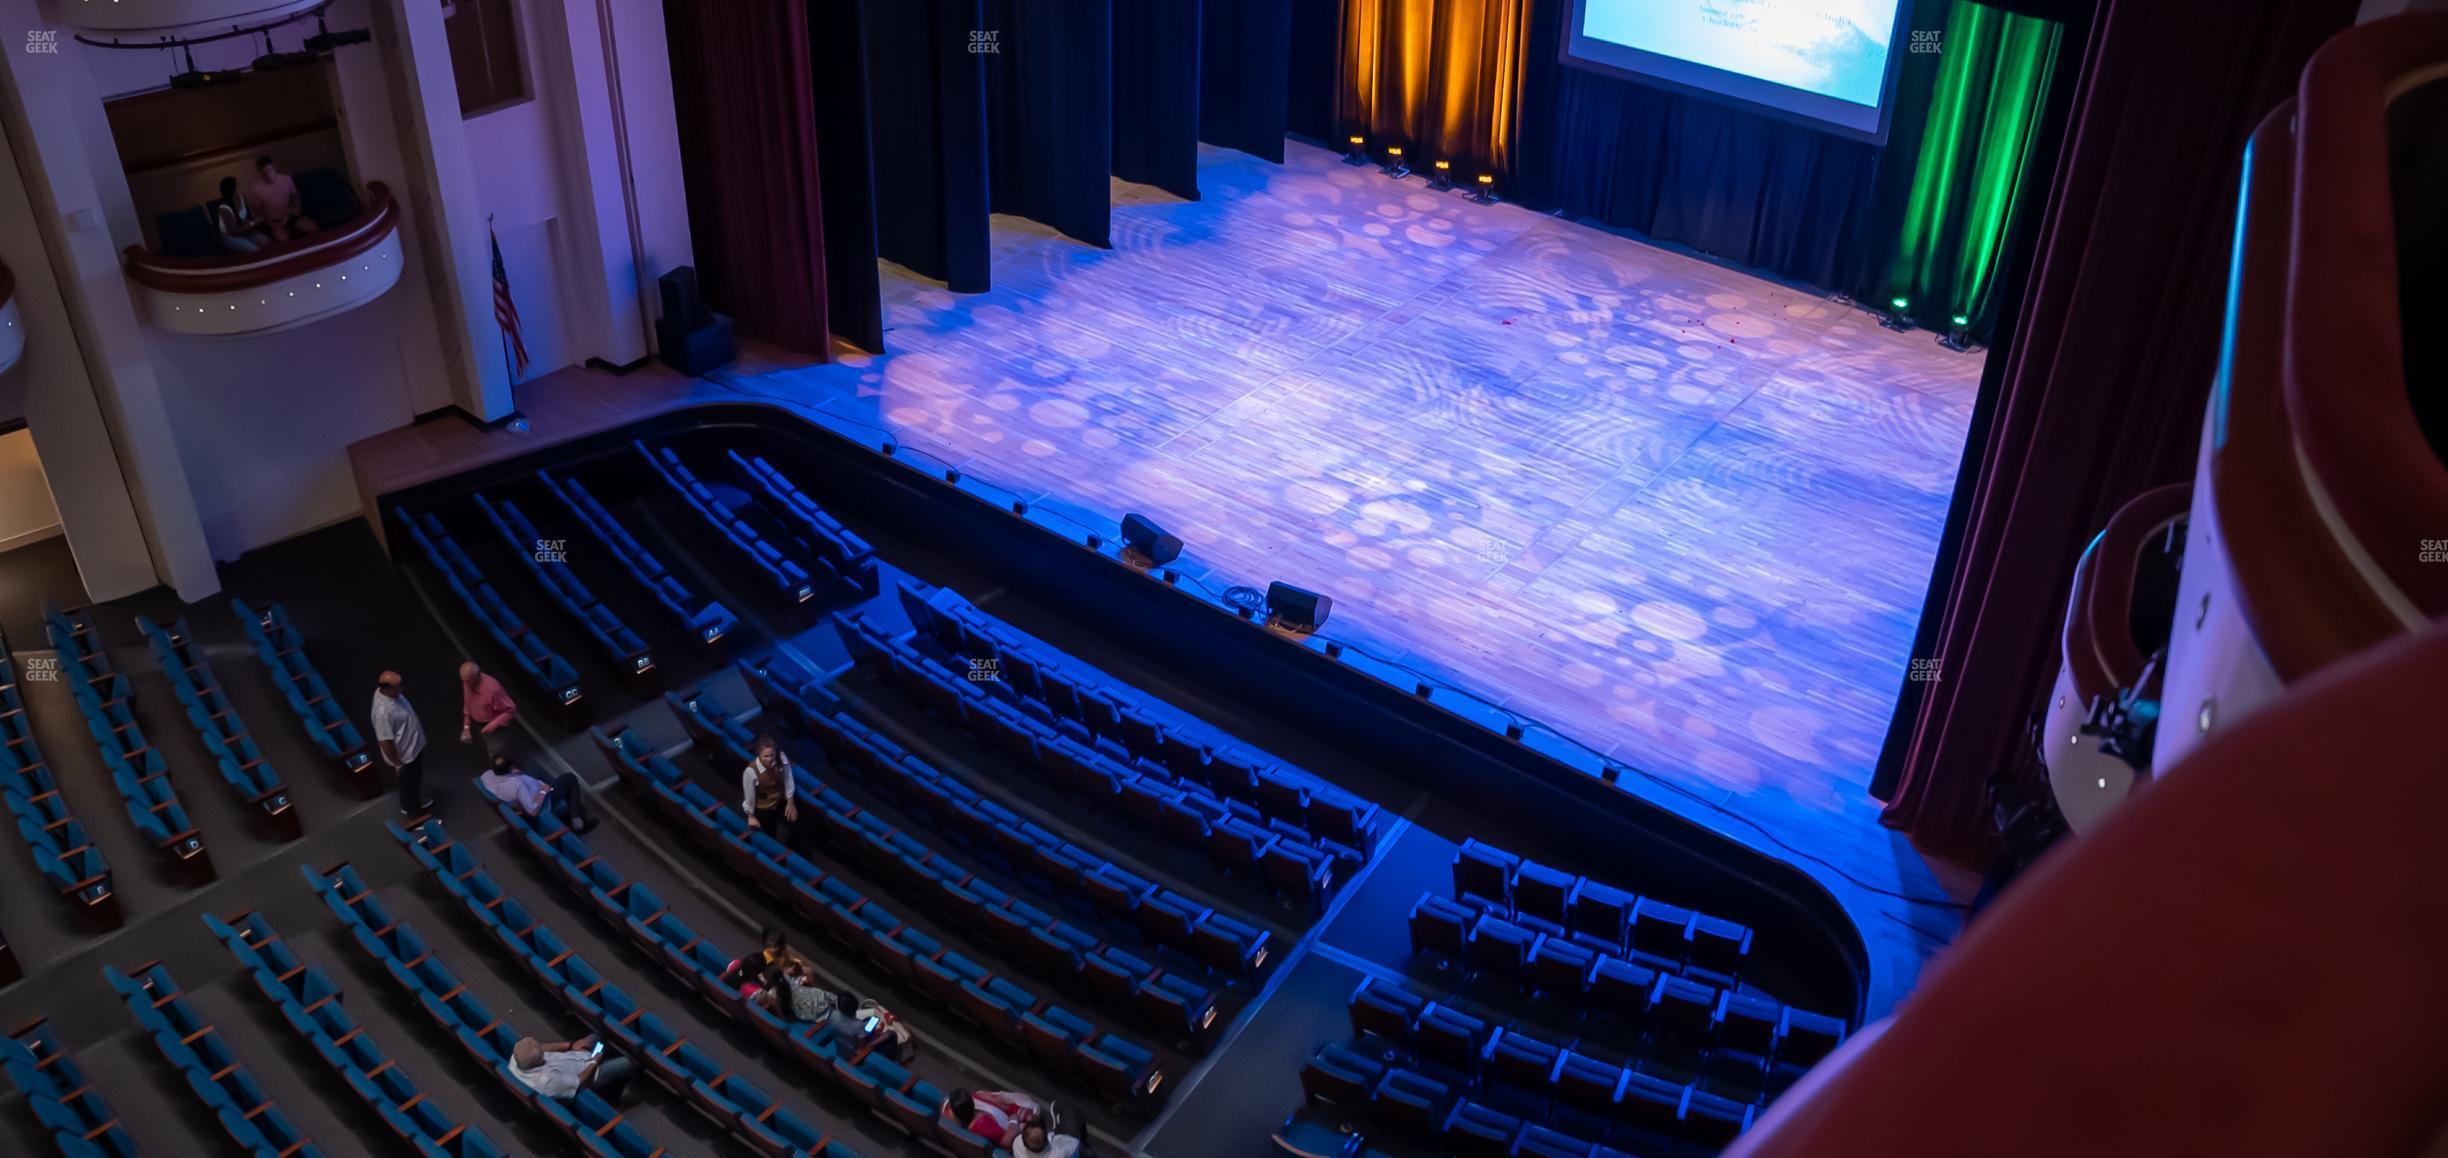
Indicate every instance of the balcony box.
{"type": "Point", "coordinates": [279, 286]}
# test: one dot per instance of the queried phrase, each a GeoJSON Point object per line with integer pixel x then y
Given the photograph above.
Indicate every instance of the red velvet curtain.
{"type": "Point", "coordinates": [744, 90]}
{"type": "Point", "coordinates": [2113, 354]}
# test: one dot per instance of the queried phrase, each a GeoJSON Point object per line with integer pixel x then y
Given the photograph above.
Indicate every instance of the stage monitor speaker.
{"type": "Point", "coordinates": [1297, 609]}
{"type": "Point", "coordinates": [682, 306]}
{"type": "Point", "coordinates": [1143, 536]}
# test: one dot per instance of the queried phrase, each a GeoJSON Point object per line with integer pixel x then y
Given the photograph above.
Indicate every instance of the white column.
{"type": "Point", "coordinates": [448, 212]}
{"type": "Point", "coordinates": [59, 142]}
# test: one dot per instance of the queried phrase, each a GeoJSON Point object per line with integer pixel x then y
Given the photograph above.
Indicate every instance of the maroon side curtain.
{"type": "Point", "coordinates": [744, 90]}
{"type": "Point", "coordinates": [2113, 355]}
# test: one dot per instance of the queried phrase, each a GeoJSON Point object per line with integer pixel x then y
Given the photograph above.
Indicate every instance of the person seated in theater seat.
{"type": "Point", "coordinates": [773, 952]}
{"type": "Point", "coordinates": [562, 1068]}
{"type": "Point", "coordinates": [274, 199]}
{"type": "Point", "coordinates": [1038, 1141]}
{"type": "Point", "coordinates": [563, 793]}
{"type": "Point", "coordinates": [995, 1115]}
{"type": "Point", "coordinates": [233, 223]}
{"type": "Point", "coordinates": [808, 999]}
{"type": "Point", "coordinates": [875, 1028]}
{"type": "Point", "coordinates": [768, 792]}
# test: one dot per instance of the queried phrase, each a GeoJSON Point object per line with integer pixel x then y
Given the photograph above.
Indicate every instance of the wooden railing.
{"type": "Point", "coordinates": [234, 271]}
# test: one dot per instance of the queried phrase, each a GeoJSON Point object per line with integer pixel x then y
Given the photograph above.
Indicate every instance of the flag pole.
{"type": "Point", "coordinates": [493, 243]}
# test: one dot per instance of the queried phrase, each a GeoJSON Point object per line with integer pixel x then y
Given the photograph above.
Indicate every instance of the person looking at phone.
{"type": "Point", "coordinates": [560, 1069]}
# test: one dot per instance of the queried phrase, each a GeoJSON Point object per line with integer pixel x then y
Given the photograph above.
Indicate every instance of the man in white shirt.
{"type": "Point", "coordinates": [402, 740]}
{"type": "Point", "coordinates": [1036, 1141]}
{"type": "Point", "coordinates": [560, 1069]}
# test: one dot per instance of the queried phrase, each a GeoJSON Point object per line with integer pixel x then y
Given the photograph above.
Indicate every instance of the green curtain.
{"type": "Point", "coordinates": [1993, 81]}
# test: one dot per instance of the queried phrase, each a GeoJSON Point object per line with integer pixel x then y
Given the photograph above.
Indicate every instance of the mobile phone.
{"type": "Point", "coordinates": [869, 1025]}
{"type": "Point", "coordinates": [598, 1050]}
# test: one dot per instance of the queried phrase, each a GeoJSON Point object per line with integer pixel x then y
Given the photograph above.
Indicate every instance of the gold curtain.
{"type": "Point", "coordinates": [1441, 78]}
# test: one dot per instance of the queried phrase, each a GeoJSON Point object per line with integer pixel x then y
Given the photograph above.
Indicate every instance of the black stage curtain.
{"type": "Point", "coordinates": [838, 54]}
{"type": "Point", "coordinates": [1733, 184]}
{"type": "Point", "coordinates": [1049, 113]}
{"type": "Point", "coordinates": [1156, 60]}
{"type": "Point", "coordinates": [1245, 85]}
{"type": "Point", "coordinates": [1314, 71]}
{"type": "Point", "coordinates": [743, 93]}
{"type": "Point", "coordinates": [927, 112]}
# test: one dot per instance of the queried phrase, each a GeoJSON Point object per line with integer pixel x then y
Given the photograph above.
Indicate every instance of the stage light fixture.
{"type": "Point", "coordinates": [1442, 180]}
{"type": "Point", "coordinates": [1296, 609]}
{"type": "Point", "coordinates": [1394, 166]}
{"type": "Point", "coordinates": [1146, 543]}
{"type": "Point", "coordinates": [1959, 334]}
{"type": "Point", "coordinates": [1487, 189]}
{"type": "Point", "coordinates": [1895, 319]}
{"type": "Point", "coordinates": [1357, 154]}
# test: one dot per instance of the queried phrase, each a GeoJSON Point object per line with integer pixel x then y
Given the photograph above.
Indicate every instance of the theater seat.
{"type": "Point", "coordinates": [1440, 926]}
{"type": "Point", "coordinates": [1386, 1011]}
{"type": "Point", "coordinates": [1341, 1077]}
{"type": "Point", "coordinates": [1412, 1104]}
{"type": "Point", "coordinates": [1450, 1037]}
{"type": "Point", "coordinates": [1478, 1131]}
{"type": "Point", "coordinates": [1485, 871]}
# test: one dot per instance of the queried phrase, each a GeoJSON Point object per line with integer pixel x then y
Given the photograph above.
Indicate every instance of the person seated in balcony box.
{"type": "Point", "coordinates": [773, 952]}
{"type": "Point", "coordinates": [233, 223]}
{"type": "Point", "coordinates": [274, 198]}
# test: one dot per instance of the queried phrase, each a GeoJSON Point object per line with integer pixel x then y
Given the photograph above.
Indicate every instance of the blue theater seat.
{"type": "Point", "coordinates": [1341, 1077]}
{"type": "Point", "coordinates": [1119, 1067]}
{"type": "Point", "coordinates": [311, 1003]}
{"type": "Point", "coordinates": [704, 620]}
{"type": "Point", "coordinates": [63, 854]}
{"type": "Point", "coordinates": [197, 1050]}
{"type": "Point", "coordinates": [241, 765]}
{"type": "Point", "coordinates": [614, 640]}
{"type": "Point", "coordinates": [331, 729]}
{"type": "Point", "coordinates": [138, 772]}
{"type": "Point", "coordinates": [68, 1106]}
{"type": "Point", "coordinates": [1441, 927]}
{"type": "Point", "coordinates": [1474, 1130]}
{"type": "Point", "coordinates": [537, 660]}
{"type": "Point", "coordinates": [841, 549]}
{"type": "Point", "coordinates": [788, 576]}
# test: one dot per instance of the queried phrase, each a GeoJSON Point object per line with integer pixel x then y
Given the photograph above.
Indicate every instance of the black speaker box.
{"type": "Point", "coordinates": [1296, 608]}
{"type": "Point", "coordinates": [1144, 536]}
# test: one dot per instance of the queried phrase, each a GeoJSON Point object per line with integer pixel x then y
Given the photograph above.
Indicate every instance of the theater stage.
{"type": "Point", "coordinates": [1681, 514]}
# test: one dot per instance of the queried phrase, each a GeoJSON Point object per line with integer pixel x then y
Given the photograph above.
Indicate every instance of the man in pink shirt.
{"type": "Point", "coordinates": [484, 709]}
{"type": "Point", "coordinates": [273, 199]}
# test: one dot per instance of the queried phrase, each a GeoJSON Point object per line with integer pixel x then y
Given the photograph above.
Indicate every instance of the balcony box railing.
{"type": "Point", "coordinates": [122, 16]}
{"type": "Point", "coordinates": [279, 286]}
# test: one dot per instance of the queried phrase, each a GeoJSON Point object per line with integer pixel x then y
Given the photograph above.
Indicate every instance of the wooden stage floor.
{"type": "Point", "coordinates": [1682, 514]}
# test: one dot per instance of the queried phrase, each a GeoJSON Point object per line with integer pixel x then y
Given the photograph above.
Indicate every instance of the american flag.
{"type": "Point", "coordinates": [505, 311]}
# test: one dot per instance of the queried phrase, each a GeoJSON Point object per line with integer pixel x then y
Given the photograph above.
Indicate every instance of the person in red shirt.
{"type": "Point", "coordinates": [484, 710]}
{"type": "Point", "coordinates": [995, 1115]}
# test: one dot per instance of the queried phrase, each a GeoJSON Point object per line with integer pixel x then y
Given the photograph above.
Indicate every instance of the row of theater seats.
{"type": "Point", "coordinates": [282, 648]}
{"type": "Point", "coordinates": [909, 1103]}
{"type": "Point", "coordinates": [310, 1001]}
{"type": "Point", "coordinates": [1597, 916]}
{"type": "Point", "coordinates": [235, 755]}
{"type": "Point", "coordinates": [1680, 1015]}
{"type": "Point", "coordinates": [618, 644]}
{"type": "Point", "coordinates": [1175, 1001]}
{"type": "Point", "coordinates": [1293, 859]}
{"type": "Point", "coordinates": [63, 852]}
{"type": "Point", "coordinates": [704, 620]}
{"type": "Point", "coordinates": [591, 1123]}
{"type": "Point", "coordinates": [1000, 838]}
{"type": "Point", "coordinates": [803, 553]}
{"type": "Point", "coordinates": [1116, 1066]}
{"type": "Point", "coordinates": [1527, 1074]}
{"type": "Point", "coordinates": [543, 666]}
{"type": "Point", "coordinates": [79, 1119]}
{"type": "Point", "coordinates": [140, 774]}
{"type": "Point", "coordinates": [834, 546]}
{"type": "Point", "coordinates": [1356, 1103]}
{"type": "Point", "coordinates": [196, 1049]}
{"type": "Point", "coordinates": [1130, 725]}
{"type": "Point", "coordinates": [661, 1051]}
